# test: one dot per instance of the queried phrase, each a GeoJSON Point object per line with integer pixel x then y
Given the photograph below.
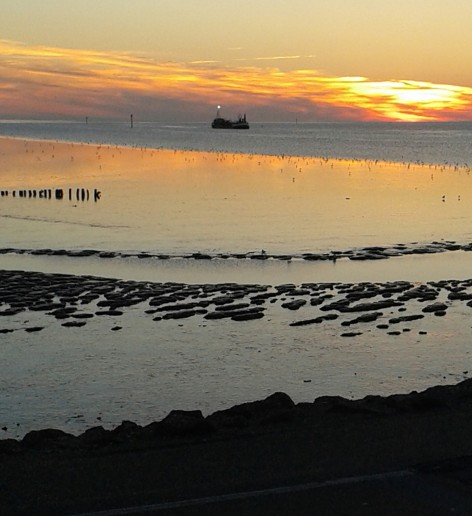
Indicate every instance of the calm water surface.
{"type": "Point", "coordinates": [178, 202]}
{"type": "Point", "coordinates": [437, 143]}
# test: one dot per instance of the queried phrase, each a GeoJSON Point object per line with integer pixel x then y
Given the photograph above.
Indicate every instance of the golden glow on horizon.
{"type": "Point", "coordinates": [43, 81]}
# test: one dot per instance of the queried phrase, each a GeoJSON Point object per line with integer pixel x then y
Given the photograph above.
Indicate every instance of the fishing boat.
{"type": "Point", "coordinates": [223, 123]}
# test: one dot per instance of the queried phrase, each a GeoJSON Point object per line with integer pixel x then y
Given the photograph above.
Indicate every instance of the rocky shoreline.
{"type": "Point", "coordinates": [361, 253]}
{"type": "Point", "coordinates": [275, 413]}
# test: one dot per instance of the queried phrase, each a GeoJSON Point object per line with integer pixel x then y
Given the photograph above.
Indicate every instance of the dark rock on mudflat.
{"type": "Point", "coordinates": [34, 329]}
{"type": "Point", "coordinates": [107, 255]}
{"type": "Point", "coordinates": [232, 307]}
{"type": "Point", "coordinates": [41, 252]}
{"type": "Point", "coordinates": [315, 320]}
{"type": "Point", "coordinates": [84, 252]}
{"type": "Point", "coordinates": [425, 250]}
{"type": "Point", "coordinates": [200, 256]}
{"type": "Point", "coordinates": [361, 294]}
{"type": "Point", "coordinates": [351, 334]}
{"type": "Point", "coordinates": [286, 287]}
{"type": "Point", "coordinates": [340, 306]}
{"type": "Point", "coordinates": [11, 311]}
{"type": "Point", "coordinates": [330, 317]}
{"type": "Point", "coordinates": [162, 300]}
{"type": "Point", "coordinates": [423, 293]}
{"type": "Point", "coordinates": [299, 292]}
{"type": "Point", "coordinates": [182, 306]}
{"type": "Point", "coordinates": [222, 300]}
{"type": "Point", "coordinates": [44, 307]}
{"type": "Point", "coordinates": [295, 304]}
{"type": "Point", "coordinates": [263, 297]}
{"type": "Point", "coordinates": [63, 313]}
{"type": "Point", "coordinates": [462, 296]}
{"type": "Point", "coordinates": [250, 312]}
{"type": "Point", "coordinates": [248, 316]}
{"type": "Point", "coordinates": [368, 256]}
{"type": "Point", "coordinates": [114, 313]}
{"type": "Point", "coordinates": [406, 318]}
{"type": "Point", "coordinates": [183, 314]}
{"type": "Point", "coordinates": [364, 318]}
{"type": "Point", "coordinates": [74, 324]}
{"type": "Point", "coordinates": [435, 307]}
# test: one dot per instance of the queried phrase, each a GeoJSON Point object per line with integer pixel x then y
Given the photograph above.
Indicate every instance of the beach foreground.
{"type": "Point", "coordinates": [377, 455]}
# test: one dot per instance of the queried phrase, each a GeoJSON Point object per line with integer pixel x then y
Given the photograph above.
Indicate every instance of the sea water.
{"type": "Point", "coordinates": [420, 142]}
{"type": "Point", "coordinates": [275, 187]}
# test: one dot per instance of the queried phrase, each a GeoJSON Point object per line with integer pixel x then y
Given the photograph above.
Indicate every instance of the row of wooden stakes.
{"type": "Point", "coordinates": [75, 194]}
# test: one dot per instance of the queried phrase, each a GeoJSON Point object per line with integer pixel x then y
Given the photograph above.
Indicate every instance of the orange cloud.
{"type": "Point", "coordinates": [52, 82]}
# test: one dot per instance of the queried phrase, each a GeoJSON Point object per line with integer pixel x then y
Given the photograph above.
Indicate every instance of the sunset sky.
{"type": "Point", "coordinates": [276, 60]}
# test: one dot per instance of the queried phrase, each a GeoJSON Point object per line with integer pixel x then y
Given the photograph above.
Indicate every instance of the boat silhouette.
{"type": "Point", "coordinates": [224, 123]}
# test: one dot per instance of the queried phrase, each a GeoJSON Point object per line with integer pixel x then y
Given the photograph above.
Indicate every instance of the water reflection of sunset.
{"type": "Point", "coordinates": [175, 201]}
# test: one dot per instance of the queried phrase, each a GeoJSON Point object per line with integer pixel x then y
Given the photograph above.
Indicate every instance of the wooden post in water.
{"type": "Point", "coordinates": [131, 121]}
